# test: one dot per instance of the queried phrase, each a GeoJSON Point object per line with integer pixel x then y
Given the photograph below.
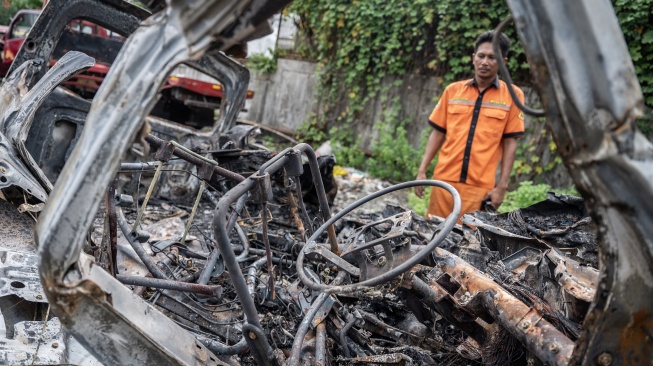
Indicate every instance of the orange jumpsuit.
{"type": "Point", "coordinates": [475, 125]}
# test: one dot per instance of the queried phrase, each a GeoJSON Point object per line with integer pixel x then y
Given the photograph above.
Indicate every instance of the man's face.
{"type": "Point", "coordinates": [485, 62]}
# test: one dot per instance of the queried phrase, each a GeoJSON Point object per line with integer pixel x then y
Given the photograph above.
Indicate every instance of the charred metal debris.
{"type": "Point", "coordinates": [157, 243]}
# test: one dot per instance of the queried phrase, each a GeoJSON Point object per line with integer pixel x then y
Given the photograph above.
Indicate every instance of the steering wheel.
{"type": "Point", "coordinates": [387, 241]}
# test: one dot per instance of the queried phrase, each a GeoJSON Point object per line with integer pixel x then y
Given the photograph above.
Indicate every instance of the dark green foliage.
{"type": "Point", "coordinates": [636, 19]}
{"type": "Point", "coordinates": [14, 5]}
{"type": "Point", "coordinates": [359, 43]}
{"type": "Point", "coordinates": [528, 194]}
{"type": "Point", "coordinates": [460, 23]}
{"type": "Point", "coordinates": [262, 63]}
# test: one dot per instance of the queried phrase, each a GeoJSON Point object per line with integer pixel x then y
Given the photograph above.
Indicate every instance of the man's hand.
{"type": "Point", "coordinates": [496, 196]}
{"type": "Point", "coordinates": [436, 138]}
{"type": "Point", "coordinates": [419, 191]}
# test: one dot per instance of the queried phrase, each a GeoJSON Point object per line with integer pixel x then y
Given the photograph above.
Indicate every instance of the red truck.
{"type": "Point", "coordinates": [14, 36]}
{"type": "Point", "coordinates": [188, 97]}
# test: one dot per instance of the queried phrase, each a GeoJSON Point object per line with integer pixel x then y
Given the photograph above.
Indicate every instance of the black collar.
{"type": "Point", "coordinates": [495, 83]}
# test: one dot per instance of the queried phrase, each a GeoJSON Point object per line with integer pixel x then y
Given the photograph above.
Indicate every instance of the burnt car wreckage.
{"type": "Point", "coordinates": [259, 271]}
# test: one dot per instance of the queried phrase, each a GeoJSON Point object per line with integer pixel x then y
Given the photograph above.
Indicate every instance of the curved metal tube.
{"type": "Point", "coordinates": [234, 215]}
{"type": "Point", "coordinates": [243, 239]}
{"type": "Point", "coordinates": [259, 346]}
{"type": "Point", "coordinates": [251, 274]}
{"type": "Point", "coordinates": [303, 329]}
{"type": "Point", "coordinates": [351, 320]}
{"type": "Point", "coordinates": [293, 360]}
{"type": "Point", "coordinates": [215, 291]}
{"type": "Point", "coordinates": [448, 225]}
{"type": "Point", "coordinates": [505, 74]}
{"type": "Point", "coordinates": [222, 234]}
{"type": "Point", "coordinates": [592, 103]}
{"type": "Point", "coordinates": [222, 349]}
{"type": "Point", "coordinates": [138, 248]}
{"type": "Point", "coordinates": [321, 194]}
{"type": "Point", "coordinates": [121, 104]}
{"type": "Point", "coordinates": [234, 79]}
{"type": "Point", "coordinates": [116, 15]}
{"type": "Point", "coordinates": [264, 168]}
{"type": "Point", "coordinates": [227, 252]}
{"type": "Point", "coordinates": [205, 276]}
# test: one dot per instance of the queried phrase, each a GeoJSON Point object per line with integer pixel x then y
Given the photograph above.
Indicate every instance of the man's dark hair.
{"type": "Point", "coordinates": [504, 42]}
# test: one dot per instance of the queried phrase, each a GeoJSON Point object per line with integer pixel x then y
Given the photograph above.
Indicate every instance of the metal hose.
{"type": "Point", "coordinates": [447, 227]}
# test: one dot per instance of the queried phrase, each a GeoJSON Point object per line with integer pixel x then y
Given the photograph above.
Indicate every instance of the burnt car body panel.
{"type": "Point", "coordinates": [608, 158]}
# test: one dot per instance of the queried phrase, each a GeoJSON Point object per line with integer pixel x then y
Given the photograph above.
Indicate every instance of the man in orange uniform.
{"type": "Point", "coordinates": [475, 125]}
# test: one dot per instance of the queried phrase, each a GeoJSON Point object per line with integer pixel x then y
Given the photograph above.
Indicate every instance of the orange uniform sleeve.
{"type": "Point", "coordinates": [515, 126]}
{"type": "Point", "coordinates": [438, 118]}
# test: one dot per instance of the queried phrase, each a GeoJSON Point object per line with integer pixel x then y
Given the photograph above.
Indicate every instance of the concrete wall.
{"type": "Point", "coordinates": [287, 99]}
{"type": "Point", "coordinates": [415, 93]}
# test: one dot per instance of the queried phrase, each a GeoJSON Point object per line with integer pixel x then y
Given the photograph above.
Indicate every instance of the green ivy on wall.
{"type": "Point", "coordinates": [460, 22]}
{"type": "Point", "coordinates": [636, 20]}
{"type": "Point", "coordinates": [359, 43]}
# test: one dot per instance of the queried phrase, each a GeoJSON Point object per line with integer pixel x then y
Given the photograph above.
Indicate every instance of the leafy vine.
{"type": "Point", "coordinates": [359, 44]}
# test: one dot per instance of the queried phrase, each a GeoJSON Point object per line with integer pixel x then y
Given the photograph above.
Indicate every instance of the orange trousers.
{"type": "Point", "coordinates": [441, 202]}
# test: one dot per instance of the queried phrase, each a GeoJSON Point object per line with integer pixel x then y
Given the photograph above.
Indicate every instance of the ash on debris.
{"type": "Point", "coordinates": [391, 323]}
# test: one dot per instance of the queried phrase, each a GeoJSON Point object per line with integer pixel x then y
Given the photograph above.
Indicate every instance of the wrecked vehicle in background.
{"type": "Point", "coordinates": [188, 97]}
{"type": "Point", "coordinates": [160, 244]}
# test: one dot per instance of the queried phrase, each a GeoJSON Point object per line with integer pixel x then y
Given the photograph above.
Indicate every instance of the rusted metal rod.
{"type": "Point", "coordinates": [526, 324]}
{"type": "Point", "coordinates": [150, 189]}
{"type": "Point", "coordinates": [112, 248]}
{"type": "Point", "coordinates": [433, 296]}
{"type": "Point", "coordinates": [300, 200]}
{"type": "Point", "coordinates": [268, 250]}
{"type": "Point", "coordinates": [320, 345]}
{"type": "Point", "coordinates": [193, 212]}
{"type": "Point", "coordinates": [158, 143]}
{"type": "Point", "coordinates": [171, 285]}
{"type": "Point", "coordinates": [294, 210]}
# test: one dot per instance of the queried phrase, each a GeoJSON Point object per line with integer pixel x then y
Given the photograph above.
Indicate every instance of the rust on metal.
{"type": "Point", "coordinates": [524, 322]}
